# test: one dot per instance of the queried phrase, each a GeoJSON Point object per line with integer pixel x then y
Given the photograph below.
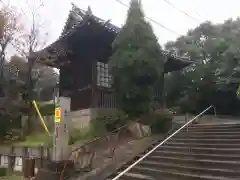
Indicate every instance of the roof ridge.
{"type": "Point", "coordinates": [73, 13]}
{"type": "Point", "coordinates": [78, 14]}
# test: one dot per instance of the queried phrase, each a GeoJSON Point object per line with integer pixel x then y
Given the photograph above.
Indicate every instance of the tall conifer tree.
{"type": "Point", "coordinates": [136, 64]}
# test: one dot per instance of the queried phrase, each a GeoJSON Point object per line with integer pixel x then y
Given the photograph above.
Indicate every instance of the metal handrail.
{"type": "Point", "coordinates": [161, 143]}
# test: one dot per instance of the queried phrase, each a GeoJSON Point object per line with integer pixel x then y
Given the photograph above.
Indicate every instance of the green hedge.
{"type": "Point", "coordinates": [161, 121]}
{"type": "Point", "coordinates": [116, 121]}
{"type": "Point", "coordinates": [99, 127]}
{"type": "Point", "coordinates": [108, 123]}
{"type": "Point", "coordinates": [47, 108]}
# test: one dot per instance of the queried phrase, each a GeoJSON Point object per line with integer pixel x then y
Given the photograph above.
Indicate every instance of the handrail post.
{"type": "Point", "coordinates": [186, 119]}
{"type": "Point", "coordinates": [215, 112]}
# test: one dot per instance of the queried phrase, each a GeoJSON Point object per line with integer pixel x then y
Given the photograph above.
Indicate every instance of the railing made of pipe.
{"type": "Point", "coordinates": [160, 144]}
{"type": "Point", "coordinates": [214, 111]}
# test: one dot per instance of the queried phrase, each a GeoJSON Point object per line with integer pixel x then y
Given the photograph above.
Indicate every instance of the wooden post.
{"type": "Point", "coordinates": [24, 156]}
{"type": "Point", "coordinates": [186, 117]}
{"type": "Point", "coordinates": [11, 159]}
{"type": "Point", "coordinates": [28, 164]}
{"type": "Point", "coordinates": [163, 92]}
{"type": "Point", "coordinates": [28, 170]}
{"type": "Point", "coordinates": [41, 156]}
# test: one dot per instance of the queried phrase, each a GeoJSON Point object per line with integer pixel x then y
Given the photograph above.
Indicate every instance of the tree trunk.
{"type": "Point", "coordinates": [29, 88]}
{"type": "Point", "coordinates": [29, 120]}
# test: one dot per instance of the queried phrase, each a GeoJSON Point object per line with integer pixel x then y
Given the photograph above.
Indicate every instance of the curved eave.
{"type": "Point", "coordinates": [175, 64]}
{"type": "Point", "coordinates": [49, 55]}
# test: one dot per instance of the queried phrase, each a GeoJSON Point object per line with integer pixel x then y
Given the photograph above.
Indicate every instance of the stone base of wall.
{"type": "Point", "coordinates": [82, 118]}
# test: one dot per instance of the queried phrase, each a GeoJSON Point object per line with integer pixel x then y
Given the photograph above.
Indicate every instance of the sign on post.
{"type": "Point", "coordinates": [61, 136]}
{"type": "Point", "coordinates": [57, 115]}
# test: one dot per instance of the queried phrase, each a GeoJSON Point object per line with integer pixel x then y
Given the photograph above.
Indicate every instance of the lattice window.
{"type": "Point", "coordinates": [104, 79]}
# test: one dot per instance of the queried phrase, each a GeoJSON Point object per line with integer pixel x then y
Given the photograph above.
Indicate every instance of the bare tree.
{"type": "Point", "coordinates": [9, 28]}
{"type": "Point", "coordinates": [32, 39]}
{"type": "Point", "coordinates": [34, 36]}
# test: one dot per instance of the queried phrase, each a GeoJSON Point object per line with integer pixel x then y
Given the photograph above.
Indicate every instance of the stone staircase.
{"type": "Point", "coordinates": [199, 152]}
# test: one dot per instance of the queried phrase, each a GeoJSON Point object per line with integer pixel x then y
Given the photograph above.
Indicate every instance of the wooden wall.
{"type": "Point", "coordinates": [90, 44]}
{"type": "Point", "coordinates": [104, 99]}
{"type": "Point", "coordinates": [81, 100]}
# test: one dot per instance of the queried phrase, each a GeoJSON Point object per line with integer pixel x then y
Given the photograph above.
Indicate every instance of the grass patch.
{"type": "Point", "coordinates": [43, 139]}
{"type": "Point", "coordinates": [12, 176]}
{"type": "Point", "coordinates": [37, 140]}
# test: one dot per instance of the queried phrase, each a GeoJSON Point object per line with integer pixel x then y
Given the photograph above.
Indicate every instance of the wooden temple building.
{"type": "Point", "coordinates": [82, 53]}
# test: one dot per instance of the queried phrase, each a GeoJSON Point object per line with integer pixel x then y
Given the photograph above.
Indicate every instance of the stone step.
{"type": "Point", "coordinates": [207, 141]}
{"type": "Point", "coordinates": [186, 169]}
{"type": "Point", "coordinates": [209, 126]}
{"type": "Point", "coordinates": [227, 157]}
{"type": "Point", "coordinates": [222, 151]}
{"type": "Point", "coordinates": [209, 133]}
{"type": "Point", "coordinates": [222, 129]}
{"type": "Point", "coordinates": [208, 136]}
{"type": "Point", "coordinates": [200, 152]}
{"type": "Point", "coordinates": [140, 173]}
{"type": "Point", "coordinates": [190, 145]}
{"type": "Point", "coordinates": [201, 163]}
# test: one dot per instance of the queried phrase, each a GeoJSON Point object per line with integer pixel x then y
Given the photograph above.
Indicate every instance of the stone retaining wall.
{"type": "Point", "coordinates": [82, 118]}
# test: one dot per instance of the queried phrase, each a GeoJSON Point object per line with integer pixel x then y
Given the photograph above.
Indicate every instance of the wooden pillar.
{"type": "Point", "coordinates": [94, 98]}
{"type": "Point", "coordinates": [163, 92]}
{"type": "Point", "coordinates": [159, 93]}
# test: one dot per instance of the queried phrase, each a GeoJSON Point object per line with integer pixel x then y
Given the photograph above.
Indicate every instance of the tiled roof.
{"type": "Point", "coordinates": [76, 18]}
{"type": "Point", "coordinates": [176, 63]}
{"type": "Point", "coordinates": [77, 15]}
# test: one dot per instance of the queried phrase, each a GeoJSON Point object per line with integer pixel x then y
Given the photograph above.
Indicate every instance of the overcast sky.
{"type": "Point", "coordinates": [55, 13]}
